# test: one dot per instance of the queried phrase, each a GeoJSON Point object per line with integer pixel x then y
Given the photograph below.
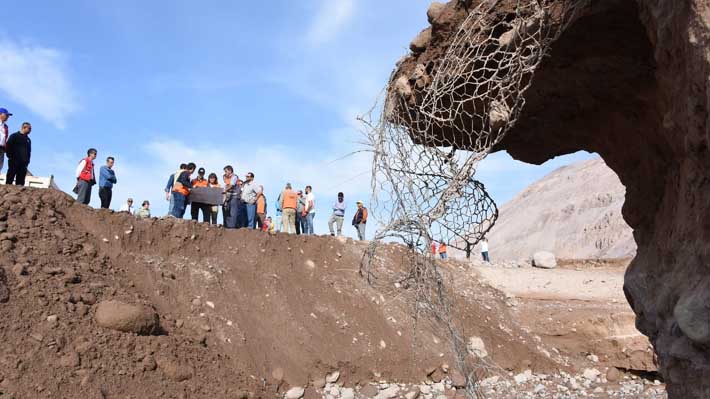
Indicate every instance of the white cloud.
{"type": "Point", "coordinates": [331, 18]}
{"type": "Point", "coordinates": [36, 77]}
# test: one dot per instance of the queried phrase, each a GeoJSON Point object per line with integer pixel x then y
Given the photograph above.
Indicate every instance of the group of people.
{"type": "Point", "coordinates": [442, 250]}
{"type": "Point", "coordinates": [86, 179]}
{"type": "Point", "coordinates": [243, 202]}
{"type": "Point", "coordinates": [16, 147]}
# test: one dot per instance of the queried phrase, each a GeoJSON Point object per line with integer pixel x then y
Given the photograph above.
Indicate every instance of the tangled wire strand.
{"type": "Point", "coordinates": [434, 127]}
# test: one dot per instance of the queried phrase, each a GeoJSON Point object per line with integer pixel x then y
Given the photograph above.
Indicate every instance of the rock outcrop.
{"type": "Point", "coordinates": [629, 80]}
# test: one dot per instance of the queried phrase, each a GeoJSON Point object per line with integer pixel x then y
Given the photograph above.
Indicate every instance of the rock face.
{"type": "Point", "coordinates": [123, 317]}
{"type": "Point", "coordinates": [4, 290]}
{"type": "Point", "coordinates": [628, 80]}
{"type": "Point", "coordinates": [574, 212]}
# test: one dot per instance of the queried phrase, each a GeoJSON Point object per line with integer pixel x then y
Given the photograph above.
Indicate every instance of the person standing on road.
{"type": "Point", "coordinates": [338, 215]}
{"type": "Point", "coordinates": [107, 178]}
{"type": "Point", "coordinates": [309, 211]}
{"type": "Point", "coordinates": [484, 250]}
{"type": "Point", "coordinates": [196, 207]}
{"type": "Point", "coordinates": [85, 177]}
{"type": "Point", "coordinates": [181, 191]}
{"type": "Point", "coordinates": [261, 209]}
{"type": "Point", "coordinates": [4, 131]}
{"type": "Point", "coordinates": [250, 194]}
{"type": "Point", "coordinates": [128, 206]}
{"type": "Point", "coordinates": [442, 251]}
{"type": "Point", "coordinates": [360, 220]}
{"type": "Point", "coordinates": [214, 209]}
{"type": "Point", "coordinates": [433, 248]}
{"type": "Point", "coordinates": [19, 151]}
{"type": "Point", "coordinates": [232, 192]}
{"type": "Point", "coordinates": [289, 203]}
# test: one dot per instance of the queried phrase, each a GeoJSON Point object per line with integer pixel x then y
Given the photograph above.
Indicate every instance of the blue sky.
{"type": "Point", "coordinates": [270, 87]}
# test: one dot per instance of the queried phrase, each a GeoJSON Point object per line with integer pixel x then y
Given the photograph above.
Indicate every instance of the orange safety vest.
{"type": "Point", "coordinates": [179, 187]}
{"type": "Point", "coordinates": [88, 172]}
{"type": "Point", "coordinates": [442, 248]}
{"type": "Point", "coordinates": [199, 183]}
{"type": "Point", "coordinates": [260, 204]}
{"type": "Point", "coordinates": [290, 199]}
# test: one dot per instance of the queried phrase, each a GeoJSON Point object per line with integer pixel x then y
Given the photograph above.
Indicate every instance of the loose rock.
{"type": "Point", "coordinates": [123, 317]}
{"type": "Point", "coordinates": [544, 260]}
{"type": "Point", "coordinates": [295, 393]}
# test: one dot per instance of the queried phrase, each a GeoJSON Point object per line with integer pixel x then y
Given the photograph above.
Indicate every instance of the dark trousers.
{"type": "Point", "coordinates": [105, 194]}
{"type": "Point", "coordinates": [485, 256]}
{"type": "Point", "coordinates": [16, 171]}
{"type": "Point", "coordinates": [195, 209]}
{"type": "Point", "coordinates": [231, 213]}
{"type": "Point", "coordinates": [84, 195]}
{"type": "Point", "coordinates": [298, 223]}
{"type": "Point", "coordinates": [242, 219]}
{"type": "Point", "coordinates": [213, 212]}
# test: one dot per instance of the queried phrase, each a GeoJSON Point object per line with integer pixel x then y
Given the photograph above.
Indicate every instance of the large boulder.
{"type": "Point", "coordinates": [544, 260]}
{"type": "Point", "coordinates": [120, 316]}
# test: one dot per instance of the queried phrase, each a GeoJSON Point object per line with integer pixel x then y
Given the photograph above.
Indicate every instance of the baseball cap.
{"type": "Point", "coordinates": [5, 111]}
{"type": "Point", "coordinates": [360, 202]}
{"type": "Point", "coordinates": [201, 170]}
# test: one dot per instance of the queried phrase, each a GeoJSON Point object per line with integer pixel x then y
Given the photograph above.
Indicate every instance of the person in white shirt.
{"type": "Point", "coordinates": [309, 211]}
{"type": "Point", "coordinates": [484, 250]}
{"type": "Point", "coordinates": [4, 131]}
{"type": "Point", "coordinates": [128, 206]}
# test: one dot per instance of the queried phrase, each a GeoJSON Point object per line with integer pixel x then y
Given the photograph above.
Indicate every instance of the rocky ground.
{"type": "Point", "coordinates": [101, 305]}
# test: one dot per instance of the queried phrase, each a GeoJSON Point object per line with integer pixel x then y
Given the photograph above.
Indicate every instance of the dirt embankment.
{"type": "Point", "coordinates": [240, 313]}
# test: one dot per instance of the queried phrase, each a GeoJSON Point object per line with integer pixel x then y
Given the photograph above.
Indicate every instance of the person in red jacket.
{"type": "Point", "coordinates": [85, 177]}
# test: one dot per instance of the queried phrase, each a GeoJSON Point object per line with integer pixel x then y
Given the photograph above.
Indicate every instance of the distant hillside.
{"type": "Point", "coordinates": [574, 212]}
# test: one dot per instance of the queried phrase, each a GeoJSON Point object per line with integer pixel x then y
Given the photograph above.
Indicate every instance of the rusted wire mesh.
{"type": "Point", "coordinates": [438, 122]}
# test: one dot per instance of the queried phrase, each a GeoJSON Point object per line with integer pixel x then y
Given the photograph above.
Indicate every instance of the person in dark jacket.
{"type": "Point", "coordinates": [18, 151]}
{"type": "Point", "coordinates": [181, 190]}
{"type": "Point", "coordinates": [360, 220]}
{"type": "Point", "coordinates": [107, 178]}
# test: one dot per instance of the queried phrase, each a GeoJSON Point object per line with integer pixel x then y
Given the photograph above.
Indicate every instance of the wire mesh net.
{"type": "Point", "coordinates": [437, 122]}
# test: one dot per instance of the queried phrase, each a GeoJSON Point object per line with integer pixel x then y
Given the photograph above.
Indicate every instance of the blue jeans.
{"type": "Point", "coordinates": [443, 255]}
{"type": "Point", "coordinates": [486, 258]}
{"type": "Point", "coordinates": [309, 223]}
{"type": "Point", "coordinates": [171, 205]}
{"type": "Point", "coordinates": [179, 204]}
{"type": "Point", "coordinates": [251, 216]}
